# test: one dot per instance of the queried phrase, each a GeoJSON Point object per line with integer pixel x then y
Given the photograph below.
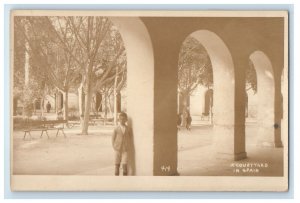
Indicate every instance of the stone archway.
{"type": "Point", "coordinates": [265, 96]}
{"type": "Point", "coordinates": [225, 138]}
{"type": "Point", "coordinates": [140, 92]}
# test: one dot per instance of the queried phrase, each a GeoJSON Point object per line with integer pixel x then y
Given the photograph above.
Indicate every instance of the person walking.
{"type": "Point", "coordinates": [48, 107]}
{"type": "Point", "coordinates": [188, 120]}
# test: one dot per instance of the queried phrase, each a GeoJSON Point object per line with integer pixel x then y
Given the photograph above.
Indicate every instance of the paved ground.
{"type": "Point", "coordinates": [92, 154]}
{"type": "Point", "coordinates": [195, 156]}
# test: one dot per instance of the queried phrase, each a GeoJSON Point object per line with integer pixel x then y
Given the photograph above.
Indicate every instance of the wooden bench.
{"type": "Point", "coordinates": [95, 118]}
{"type": "Point", "coordinates": [44, 126]}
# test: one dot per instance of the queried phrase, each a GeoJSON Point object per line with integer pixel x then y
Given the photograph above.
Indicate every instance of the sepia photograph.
{"type": "Point", "coordinates": [149, 100]}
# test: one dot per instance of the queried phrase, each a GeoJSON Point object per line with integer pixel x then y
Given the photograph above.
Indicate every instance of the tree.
{"type": "Point", "coordinates": [29, 82]}
{"type": "Point", "coordinates": [119, 83]}
{"type": "Point", "coordinates": [98, 58]}
{"type": "Point", "coordinates": [75, 51]}
{"type": "Point", "coordinates": [53, 65]}
{"type": "Point", "coordinates": [65, 67]}
{"type": "Point", "coordinates": [119, 73]}
{"type": "Point", "coordinates": [19, 63]}
{"type": "Point", "coordinates": [251, 78]}
{"type": "Point", "coordinates": [194, 68]}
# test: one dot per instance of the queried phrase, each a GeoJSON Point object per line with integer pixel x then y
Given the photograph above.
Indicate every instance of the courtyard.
{"type": "Point", "coordinates": [93, 155]}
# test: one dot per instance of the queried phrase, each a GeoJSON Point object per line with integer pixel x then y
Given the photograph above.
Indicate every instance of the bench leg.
{"type": "Point", "coordinates": [62, 130]}
{"type": "Point", "coordinates": [42, 133]}
{"type": "Point", "coordinates": [26, 134]}
{"type": "Point", "coordinates": [47, 134]}
{"type": "Point", "coordinates": [57, 132]}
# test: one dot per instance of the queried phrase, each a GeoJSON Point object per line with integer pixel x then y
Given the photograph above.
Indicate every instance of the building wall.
{"type": "Point", "coordinates": [197, 101]}
{"type": "Point", "coordinates": [252, 104]}
{"type": "Point", "coordinates": [72, 101]}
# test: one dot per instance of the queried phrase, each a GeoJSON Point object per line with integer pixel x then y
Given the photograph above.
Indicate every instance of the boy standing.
{"type": "Point", "coordinates": [120, 142]}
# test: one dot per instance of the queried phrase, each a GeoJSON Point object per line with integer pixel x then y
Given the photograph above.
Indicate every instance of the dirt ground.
{"type": "Point", "coordinates": [74, 155]}
{"type": "Point", "coordinates": [93, 155]}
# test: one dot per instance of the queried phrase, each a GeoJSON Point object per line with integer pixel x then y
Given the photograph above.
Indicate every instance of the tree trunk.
{"type": "Point", "coordinates": [26, 66]}
{"type": "Point", "coordinates": [81, 103]}
{"type": "Point", "coordinates": [93, 105]}
{"type": "Point", "coordinates": [55, 105]}
{"type": "Point", "coordinates": [87, 99]}
{"type": "Point", "coordinates": [42, 107]}
{"type": "Point", "coordinates": [34, 107]}
{"type": "Point", "coordinates": [87, 107]}
{"type": "Point", "coordinates": [98, 102]}
{"type": "Point", "coordinates": [185, 107]}
{"type": "Point", "coordinates": [115, 96]}
{"type": "Point", "coordinates": [116, 109]}
{"type": "Point", "coordinates": [109, 106]}
{"type": "Point", "coordinates": [66, 107]}
{"type": "Point", "coordinates": [180, 103]}
{"type": "Point", "coordinates": [105, 107]}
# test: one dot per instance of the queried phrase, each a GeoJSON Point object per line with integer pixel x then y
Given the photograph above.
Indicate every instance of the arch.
{"type": "Point", "coordinates": [224, 90]}
{"type": "Point", "coordinates": [223, 75]}
{"type": "Point", "coordinates": [266, 98]}
{"type": "Point", "coordinates": [140, 91]}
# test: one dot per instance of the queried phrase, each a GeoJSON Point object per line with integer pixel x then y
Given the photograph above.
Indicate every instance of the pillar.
{"type": "Point", "coordinates": [165, 109]}
{"type": "Point", "coordinates": [241, 62]}
{"type": "Point", "coordinates": [140, 93]}
{"type": "Point", "coordinates": [229, 111]}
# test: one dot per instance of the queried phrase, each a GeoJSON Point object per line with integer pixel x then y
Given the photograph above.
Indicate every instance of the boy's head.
{"type": "Point", "coordinates": [122, 118]}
